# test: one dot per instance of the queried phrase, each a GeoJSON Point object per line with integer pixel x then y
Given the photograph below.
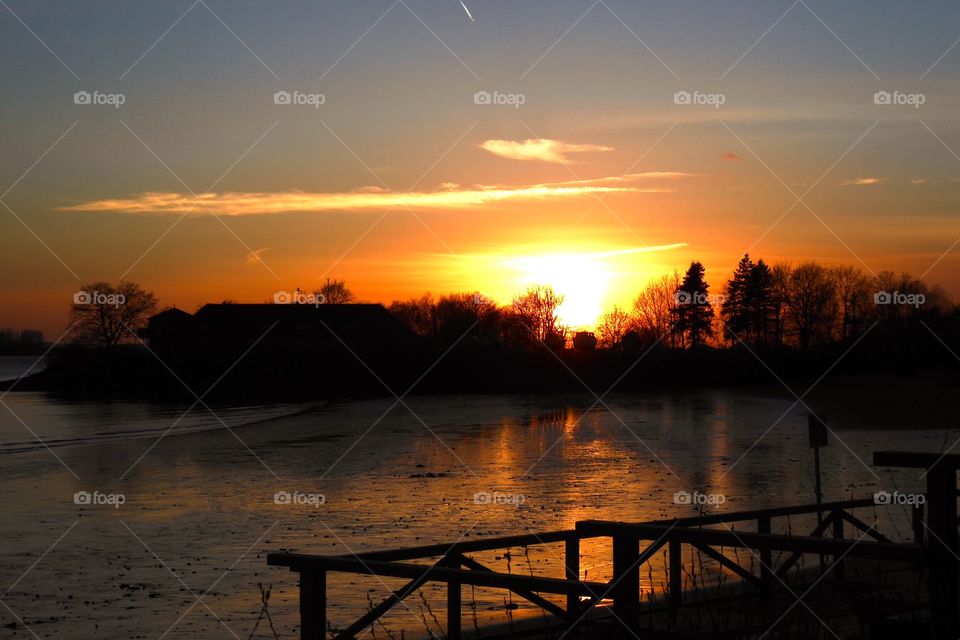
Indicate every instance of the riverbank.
{"type": "Point", "coordinates": [134, 373]}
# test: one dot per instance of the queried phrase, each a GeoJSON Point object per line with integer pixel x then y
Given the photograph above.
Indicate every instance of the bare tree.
{"type": "Point", "coordinates": [537, 309]}
{"type": "Point", "coordinates": [655, 307]}
{"type": "Point", "coordinates": [898, 299]}
{"type": "Point", "coordinates": [853, 299]}
{"type": "Point", "coordinates": [105, 315]}
{"type": "Point", "coordinates": [335, 292]}
{"type": "Point", "coordinates": [417, 314]}
{"type": "Point", "coordinates": [811, 302]}
{"type": "Point", "coordinates": [612, 327]}
{"type": "Point", "coordinates": [458, 314]}
{"type": "Point", "coordinates": [780, 294]}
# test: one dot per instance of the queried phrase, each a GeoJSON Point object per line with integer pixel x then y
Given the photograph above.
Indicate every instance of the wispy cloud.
{"type": "Point", "coordinates": [731, 156]}
{"type": "Point", "coordinates": [540, 149]}
{"type": "Point", "coordinates": [449, 196]}
{"type": "Point", "coordinates": [918, 181]}
{"type": "Point", "coordinates": [629, 178]}
{"type": "Point", "coordinates": [861, 182]}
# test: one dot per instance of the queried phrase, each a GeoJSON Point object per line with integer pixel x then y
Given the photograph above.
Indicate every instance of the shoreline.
{"type": "Point", "coordinates": [864, 402]}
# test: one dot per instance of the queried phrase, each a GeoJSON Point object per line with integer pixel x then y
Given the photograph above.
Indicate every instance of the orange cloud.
{"type": "Point", "coordinates": [633, 177]}
{"type": "Point", "coordinates": [861, 182]}
{"type": "Point", "coordinates": [730, 155]}
{"type": "Point", "coordinates": [449, 196]}
{"type": "Point", "coordinates": [539, 149]}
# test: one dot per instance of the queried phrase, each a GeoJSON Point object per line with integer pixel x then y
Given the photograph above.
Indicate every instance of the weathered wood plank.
{"type": "Point", "coordinates": [303, 562]}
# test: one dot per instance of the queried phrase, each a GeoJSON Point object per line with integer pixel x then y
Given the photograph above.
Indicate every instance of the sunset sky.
{"type": "Point", "coordinates": [582, 173]}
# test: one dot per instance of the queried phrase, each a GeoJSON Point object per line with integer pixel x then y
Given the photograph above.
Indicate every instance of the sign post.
{"type": "Point", "coordinates": [817, 431]}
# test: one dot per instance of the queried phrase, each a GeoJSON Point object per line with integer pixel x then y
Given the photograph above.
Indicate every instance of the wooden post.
{"type": "Point", "coordinates": [626, 579]}
{"type": "Point", "coordinates": [453, 600]}
{"type": "Point", "coordinates": [918, 524]}
{"type": "Point", "coordinates": [313, 604]}
{"type": "Point", "coordinates": [572, 572]}
{"type": "Point", "coordinates": [837, 516]}
{"type": "Point", "coordinates": [941, 473]}
{"type": "Point", "coordinates": [766, 558]}
{"type": "Point", "coordinates": [676, 574]}
{"type": "Point", "coordinates": [942, 519]}
{"type": "Point", "coordinates": [817, 431]}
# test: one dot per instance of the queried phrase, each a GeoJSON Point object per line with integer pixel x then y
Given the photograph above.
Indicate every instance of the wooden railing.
{"type": "Point", "coordinates": [455, 569]}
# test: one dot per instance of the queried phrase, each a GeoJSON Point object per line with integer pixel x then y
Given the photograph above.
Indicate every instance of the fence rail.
{"type": "Point", "coordinates": [451, 566]}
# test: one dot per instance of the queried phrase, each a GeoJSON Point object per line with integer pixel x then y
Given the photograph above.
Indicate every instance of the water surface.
{"type": "Point", "coordinates": [199, 507]}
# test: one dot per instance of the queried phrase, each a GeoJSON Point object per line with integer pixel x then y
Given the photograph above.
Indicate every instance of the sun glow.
{"type": "Point", "coordinates": [589, 281]}
{"type": "Point", "coordinates": [582, 279]}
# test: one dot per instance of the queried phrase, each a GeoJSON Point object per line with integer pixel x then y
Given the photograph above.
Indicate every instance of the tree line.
{"type": "Point", "coordinates": [763, 306]}
{"type": "Point", "coordinates": [25, 342]}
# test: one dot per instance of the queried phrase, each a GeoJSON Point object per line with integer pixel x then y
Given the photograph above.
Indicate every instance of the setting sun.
{"type": "Point", "coordinates": [583, 279]}
{"type": "Point", "coordinates": [590, 281]}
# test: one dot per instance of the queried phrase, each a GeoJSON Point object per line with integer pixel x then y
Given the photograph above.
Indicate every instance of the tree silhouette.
{"type": "Point", "coordinates": [655, 309]}
{"type": "Point", "coordinates": [335, 292]}
{"type": "Point", "coordinates": [762, 304]}
{"type": "Point", "coordinates": [417, 314]}
{"type": "Point", "coordinates": [737, 308]}
{"type": "Point", "coordinates": [25, 342]}
{"type": "Point", "coordinates": [853, 299]}
{"type": "Point", "coordinates": [537, 310]}
{"type": "Point", "coordinates": [780, 294]}
{"type": "Point", "coordinates": [105, 315]}
{"type": "Point", "coordinates": [613, 325]}
{"type": "Point", "coordinates": [694, 311]}
{"type": "Point", "coordinates": [459, 314]}
{"type": "Point", "coordinates": [811, 304]}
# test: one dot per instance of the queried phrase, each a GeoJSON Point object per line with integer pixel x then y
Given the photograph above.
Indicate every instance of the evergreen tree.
{"type": "Point", "coordinates": [694, 311]}
{"type": "Point", "coordinates": [736, 309]}
{"type": "Point", "coordinates": [762, 306]}
{"type": "Point", "coordinates": [749, 310]}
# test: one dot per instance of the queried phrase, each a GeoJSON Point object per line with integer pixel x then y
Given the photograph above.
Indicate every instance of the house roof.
{"type": "Point", "coordinates": [325, 312]}
{"type": "Point", "coordinates": [225, 321]}
{"type": "Point", "coordinates": [371, 320]}
{"type": "Point", "coordinates": [171, 313]}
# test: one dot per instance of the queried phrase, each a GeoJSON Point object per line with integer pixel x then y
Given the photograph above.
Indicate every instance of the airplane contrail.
{"type": "Point", "coordinates": [469, 15]}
